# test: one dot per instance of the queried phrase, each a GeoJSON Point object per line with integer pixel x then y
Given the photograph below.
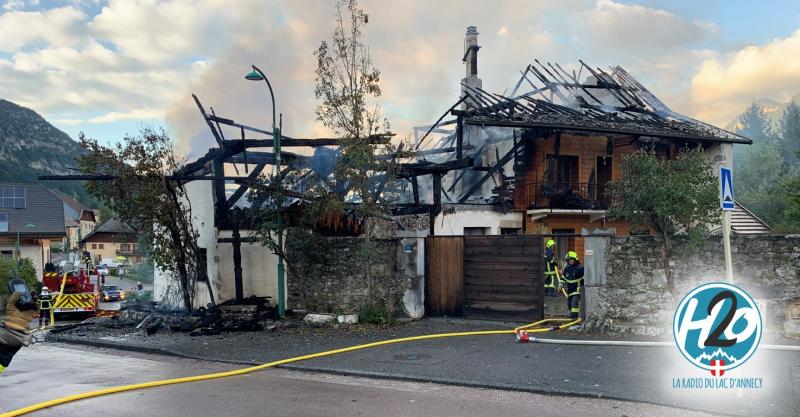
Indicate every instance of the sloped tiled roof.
{"type": "Point", "coordinates": [43, 213]}
{"type": "Point", "coordinates": [113, 226]}
{"type": "Point", "coordinates": [744, 223]}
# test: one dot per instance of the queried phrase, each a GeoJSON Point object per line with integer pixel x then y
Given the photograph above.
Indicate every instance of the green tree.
{"type": "Point", "coordinates": [346, 79]}
{"type": "Point", "coordinates": [670, 197]}
{"type": "Point", "coordinates": [789, 129]}
{"type": "Point", "coordinates": [141, 195]}
{"type": "Point", "coordinates": [759, 181]}
{"type": "Point", "coordinates": [27, 272]}
{"type": "Point", "coordinates": [754, 125]}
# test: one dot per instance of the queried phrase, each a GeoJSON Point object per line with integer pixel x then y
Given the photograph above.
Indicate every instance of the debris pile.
{"type": "Point", "coordinates": [251, 315]}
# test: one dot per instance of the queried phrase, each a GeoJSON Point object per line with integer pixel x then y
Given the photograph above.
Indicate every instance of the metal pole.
{"type": "Point", "coordinates": [276, 146]}
{"type": "Point", "coordinates": [726, 243]}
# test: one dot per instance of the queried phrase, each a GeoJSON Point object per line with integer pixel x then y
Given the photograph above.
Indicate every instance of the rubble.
{"type": "Point", "coordinates": [347, 318]}
{"type": "Point", "coordinates": [318, 318]}
{"type": "Point", "coordinates": [251, 315]}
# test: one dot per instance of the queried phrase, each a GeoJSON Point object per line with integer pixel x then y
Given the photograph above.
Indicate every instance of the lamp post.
{"type": "Point", "coordinates": [19, 250]}
{"type": "Point", "coordinates": [258, 75]}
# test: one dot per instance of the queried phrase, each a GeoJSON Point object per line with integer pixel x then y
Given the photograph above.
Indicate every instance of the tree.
{"type": "Point", "coordinates": [669, 197]}
{"type": "Point", "coordinates": [346, 82]}
{"type": "Point", "coordinates": [759, 181]}
{"type": "Point", "coordinates": [789, 129]}
{"type": "Point", "coordinates": [27, 272]}
{"type": "Point", "coordinates": [141, 195]}
{"type": "Point", "coordinates": [754, 125]}
{"type": "Point", "coordinates": [346, 78]}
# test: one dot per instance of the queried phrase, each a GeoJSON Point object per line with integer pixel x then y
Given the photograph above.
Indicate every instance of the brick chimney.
{"type": "Point", "coordinates": [471, 59]}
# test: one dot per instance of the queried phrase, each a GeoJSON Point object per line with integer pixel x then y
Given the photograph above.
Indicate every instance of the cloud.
{"type": "Point", "coordinates": [640, 29]}
{"type": "Point", "coordinates": [61, 26]}
{"type": "Point", "coordinates": [135, 114]}
{"type": "Point", "coordinates": [725, 84]}
{"type": "Point", "coordinates": [144, 58]}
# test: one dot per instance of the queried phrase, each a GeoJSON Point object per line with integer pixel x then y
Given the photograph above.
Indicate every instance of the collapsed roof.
{"type": "Point", "coordinates": [605, 102]}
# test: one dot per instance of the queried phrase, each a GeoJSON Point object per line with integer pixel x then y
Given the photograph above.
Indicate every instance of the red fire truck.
{"type": "Point", "coordinates": [75, 294]}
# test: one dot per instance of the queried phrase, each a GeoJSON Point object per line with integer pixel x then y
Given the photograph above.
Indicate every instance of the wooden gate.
{"type": "Point", "coordinates": [444, 276]}
{"type": "Point", "coordinates": [484, 277]}
{"type": "Point", "coordinates": [502, 277]}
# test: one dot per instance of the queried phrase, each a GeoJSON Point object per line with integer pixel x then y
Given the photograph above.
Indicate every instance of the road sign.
{"type": "Point", "coordinates": [726, 189]}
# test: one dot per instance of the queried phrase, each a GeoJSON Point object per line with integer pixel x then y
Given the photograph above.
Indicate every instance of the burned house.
{"type": "Point", "coordinates": [543, 153]}
{"type": "Point", "coordinates": [533, 162]}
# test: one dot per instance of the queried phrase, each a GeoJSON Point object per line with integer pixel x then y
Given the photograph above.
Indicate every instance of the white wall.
{"type": "Point", "coordinates": [259, 266]}
{"type": "Point", "coordinates": [34, 253]}
{"type": "Point", "coordinates": [454, 223]}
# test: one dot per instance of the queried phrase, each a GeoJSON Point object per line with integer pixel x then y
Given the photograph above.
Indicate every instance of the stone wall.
{"type": "Point", "coordinates": [632, 296]}
{"type": "Point", "coordinates": [332, 278]}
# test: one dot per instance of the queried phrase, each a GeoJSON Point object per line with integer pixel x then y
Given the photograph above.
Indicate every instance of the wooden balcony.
{"type": "Point", "coordinates": [565, 195]}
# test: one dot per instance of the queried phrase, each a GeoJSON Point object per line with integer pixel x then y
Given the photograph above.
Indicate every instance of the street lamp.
{"type": "Point", "coordinates": [19, 250]}
{"type": "Point", "coordinates": [258, 75]}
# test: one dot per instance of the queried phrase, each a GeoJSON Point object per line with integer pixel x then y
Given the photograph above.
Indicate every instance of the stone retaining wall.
{"type": "Point", "coordinates": [633, 295]}
{"type": "Point", "coordinates": [335, 279]}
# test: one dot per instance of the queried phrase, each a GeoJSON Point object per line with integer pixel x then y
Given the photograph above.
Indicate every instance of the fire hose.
{"type": "Point", "coordinates": [530, 328]}
{"type": "Point", "coordinates": [521, 332]}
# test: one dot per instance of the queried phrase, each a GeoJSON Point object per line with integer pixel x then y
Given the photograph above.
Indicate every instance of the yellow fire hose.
{"type": "Point", "coordinates": [113, 390]}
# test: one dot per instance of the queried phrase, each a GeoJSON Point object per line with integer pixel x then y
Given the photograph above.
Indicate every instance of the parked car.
{"type": "Point", "coordinates": [109, 262]}
{"type": "Point", "coordinates": [102, 270]}
{"type": "Point", "coordinates": [112, 293]}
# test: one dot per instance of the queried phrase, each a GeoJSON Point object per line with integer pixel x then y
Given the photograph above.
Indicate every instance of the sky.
{"type": "Point", "coordinates": [106, 68]}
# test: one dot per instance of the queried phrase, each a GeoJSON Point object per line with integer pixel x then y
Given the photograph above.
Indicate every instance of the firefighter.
{"type": "Point", "coordinates": [45, 304]}
{"type": "Point", "coordinates": [550, 267]}
{"type": "Point", "coordinates": [14, 333]}
{"type": "Point", "coordinates": [573, 279]}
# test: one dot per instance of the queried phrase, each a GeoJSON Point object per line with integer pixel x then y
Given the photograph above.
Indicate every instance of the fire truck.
{"type": "Point", "coordinates": [75, 294]}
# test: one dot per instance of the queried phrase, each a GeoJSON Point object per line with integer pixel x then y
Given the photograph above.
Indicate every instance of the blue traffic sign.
{"type": "Point", "coordinates": [726, 189]}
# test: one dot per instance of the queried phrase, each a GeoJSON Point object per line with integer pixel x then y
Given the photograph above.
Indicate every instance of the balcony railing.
{"type": "Point", "coordinates": [129, 252]}
{"type": "Point", "coordinates": [566, 195]}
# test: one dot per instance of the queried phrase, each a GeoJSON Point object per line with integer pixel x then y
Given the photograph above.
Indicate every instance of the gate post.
{"type": "Point", "coordinates": [596, 242]}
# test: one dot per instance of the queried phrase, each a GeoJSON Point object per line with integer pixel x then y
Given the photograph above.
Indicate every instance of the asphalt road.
{"type": "Point", "coordinates": [47, 371]}
{"type": "Point", "coordinates": [643, 374]}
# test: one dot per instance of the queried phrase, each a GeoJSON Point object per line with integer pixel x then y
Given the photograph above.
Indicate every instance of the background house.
{"type": "Point", "coordinates": [33, 215]}
{"type": "Point", "coordinates": [112, 239]}
{"type": "Point", "coordinates": [79, 220]}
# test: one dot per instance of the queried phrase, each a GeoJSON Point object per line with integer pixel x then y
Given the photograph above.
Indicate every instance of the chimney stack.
{"type": "Point", "coordinates": [471, 59]}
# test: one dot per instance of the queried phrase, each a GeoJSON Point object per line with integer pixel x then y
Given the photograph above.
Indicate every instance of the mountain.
{"type": "Point", "coordinates": [30, 146]}
{"type": "Point", "coordinates": [771, 109]}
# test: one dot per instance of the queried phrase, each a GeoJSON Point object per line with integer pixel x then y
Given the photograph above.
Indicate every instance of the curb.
{"type": "Point", "coordinates": [369, 374]}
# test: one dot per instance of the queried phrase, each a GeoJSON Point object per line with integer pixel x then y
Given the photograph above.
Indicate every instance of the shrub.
{"type": "Point", "coordinates": [26, 271]}
{"type": "Point", "coordinates": [134, 296]}
{"type": "Point", "coordinates": [376, 314]}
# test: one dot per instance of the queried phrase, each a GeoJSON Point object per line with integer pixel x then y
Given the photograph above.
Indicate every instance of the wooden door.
{"type": "Point", "coordinates": [444, 276]}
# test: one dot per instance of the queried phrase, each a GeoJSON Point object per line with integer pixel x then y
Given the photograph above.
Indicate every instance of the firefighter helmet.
{"type": "Point", "coordinates": [572, 255]}
{"type": "Point", "coordinates": [550, 243]}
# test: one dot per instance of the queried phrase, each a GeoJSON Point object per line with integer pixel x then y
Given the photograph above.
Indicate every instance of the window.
{"type": "Point", "coordinates": [510, 231]}
{"type": "Point", "coordinates": [475, 231]}
{"type": "Point", "coordinates": [562, 169]}
{"type": "Point", "coordinates": [12, 197]}
{"type": "Point", "coordinates": [3, 222]}
{"type": "Point", "coordinates": [125, 247]}
{"type": "Point", "coordinates": [6, 254]}
{"type": "Point", "coordinates": [100, 245]}
{"type": "Point", "coordinates": [94, 246]}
